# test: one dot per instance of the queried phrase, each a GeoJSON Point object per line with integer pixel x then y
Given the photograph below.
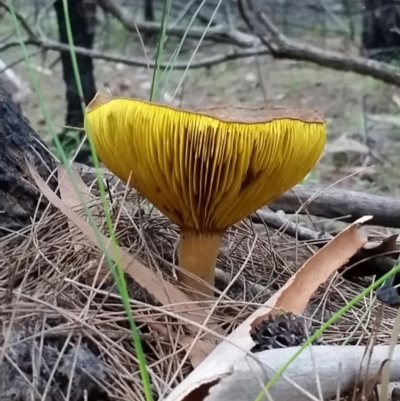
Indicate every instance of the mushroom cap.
{"type": "Point", "coordinates": [205, 169]}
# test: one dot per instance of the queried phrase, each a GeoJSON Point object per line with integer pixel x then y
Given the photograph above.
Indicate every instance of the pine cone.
{"type": "Point", "coordinates": [281, 331]}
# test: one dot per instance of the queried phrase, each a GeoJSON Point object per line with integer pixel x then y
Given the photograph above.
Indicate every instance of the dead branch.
{"type": "Point", "coordinates": [13, 84]}
{"type": "Point", "coordinates": [265, 31]}
{"type": "Point", "coordinates": [282, 47]}
{"type": "Point", "coordinates": [137, 62]}
{"type": "Point", "coordinates": [25, 25]}
{"type": "Point", "coordinates": [219, 33]}
{"type": "Point", "coordinates": [336, 203]}
{"type": "Point", "coordinates": [283, 224]}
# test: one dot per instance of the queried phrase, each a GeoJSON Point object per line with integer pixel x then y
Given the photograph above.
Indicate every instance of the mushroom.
{"type": "Point", "coordinates": [207, 169]}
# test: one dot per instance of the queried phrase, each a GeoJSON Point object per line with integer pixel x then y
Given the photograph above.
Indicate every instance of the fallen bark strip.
{"type": "Point", "coordinates": [340, 203]}
{"type": "Point", "coordinates": [335, 366]}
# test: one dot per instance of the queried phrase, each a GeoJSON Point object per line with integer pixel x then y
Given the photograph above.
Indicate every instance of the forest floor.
{"type": "Point", "coordinates": [352, 105]}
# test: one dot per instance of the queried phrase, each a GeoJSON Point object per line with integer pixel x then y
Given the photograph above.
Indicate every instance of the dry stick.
{"type": "Point", "coordinates": [137, 62]}
{"type": "Point", "coordinates": [280, 222]}
{"type": "Point", "coordinates": [336, 203]}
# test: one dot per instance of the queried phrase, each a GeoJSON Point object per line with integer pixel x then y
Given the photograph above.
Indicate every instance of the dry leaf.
{"type": "Point", "coordinates": [163, 291]}
{"type": "Point", "coordinates": [67, 190]}
{"type": "Point", "coordinates": [293, 296]}
{"type": "Point", "coordinates": [71, 199]}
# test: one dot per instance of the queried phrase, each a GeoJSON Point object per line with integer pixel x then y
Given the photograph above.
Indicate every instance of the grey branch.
{"type": "Point", "coordinates": [336, 367]}
{"type": "Point", "coordinates": [339, 203]}
{"type": "Point", "coordinates": [138, 62]}
{"type": "Point", "coordinates": [280, 46]}
{"type": "Point", "coordinates": [241, 377]}
{"type": "Point", "coordinates": [282, 223]}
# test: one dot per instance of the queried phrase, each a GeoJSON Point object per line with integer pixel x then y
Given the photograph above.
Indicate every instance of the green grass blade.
{"type": "Point", "coordinates": [197, 48]}
{"type": "Point", "coordinates": [168, 71]}
{"type": "Point", "coordinates": [160, 46]}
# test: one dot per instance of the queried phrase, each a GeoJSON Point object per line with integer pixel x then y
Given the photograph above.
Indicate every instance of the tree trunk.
{"type": "Point", "coordinates": [18, 198]}
{"type": "Point", "coordinates": [81, 15]}
{"type": "Point", "coordinates": [381, 36]}
{"type": "Point", "coordinates": [148, 10]}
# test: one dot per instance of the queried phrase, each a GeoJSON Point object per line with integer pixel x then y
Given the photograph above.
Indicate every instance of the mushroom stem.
{"type": "Point", "coordinates": [197, 254]}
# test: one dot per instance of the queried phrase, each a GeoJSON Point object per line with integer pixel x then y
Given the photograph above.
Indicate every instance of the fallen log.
{"type": "Point", "coordinates": [335, 203]}
{"type": "Point", "coordinates": [337, 369]}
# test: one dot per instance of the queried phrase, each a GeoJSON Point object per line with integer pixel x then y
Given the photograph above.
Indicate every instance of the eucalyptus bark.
{"type": "Point", "coordinates": [18, 141]}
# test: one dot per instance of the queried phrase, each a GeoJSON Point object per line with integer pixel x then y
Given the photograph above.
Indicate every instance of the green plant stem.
{"type": "Point", "coordinates": [174, 56]}
{"type": "Point", "coordinates": [197, 48]}
{"type": "Point", "coordinates": [160, 46]}
{"type": "Point", "coordinates": [62, 153]}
